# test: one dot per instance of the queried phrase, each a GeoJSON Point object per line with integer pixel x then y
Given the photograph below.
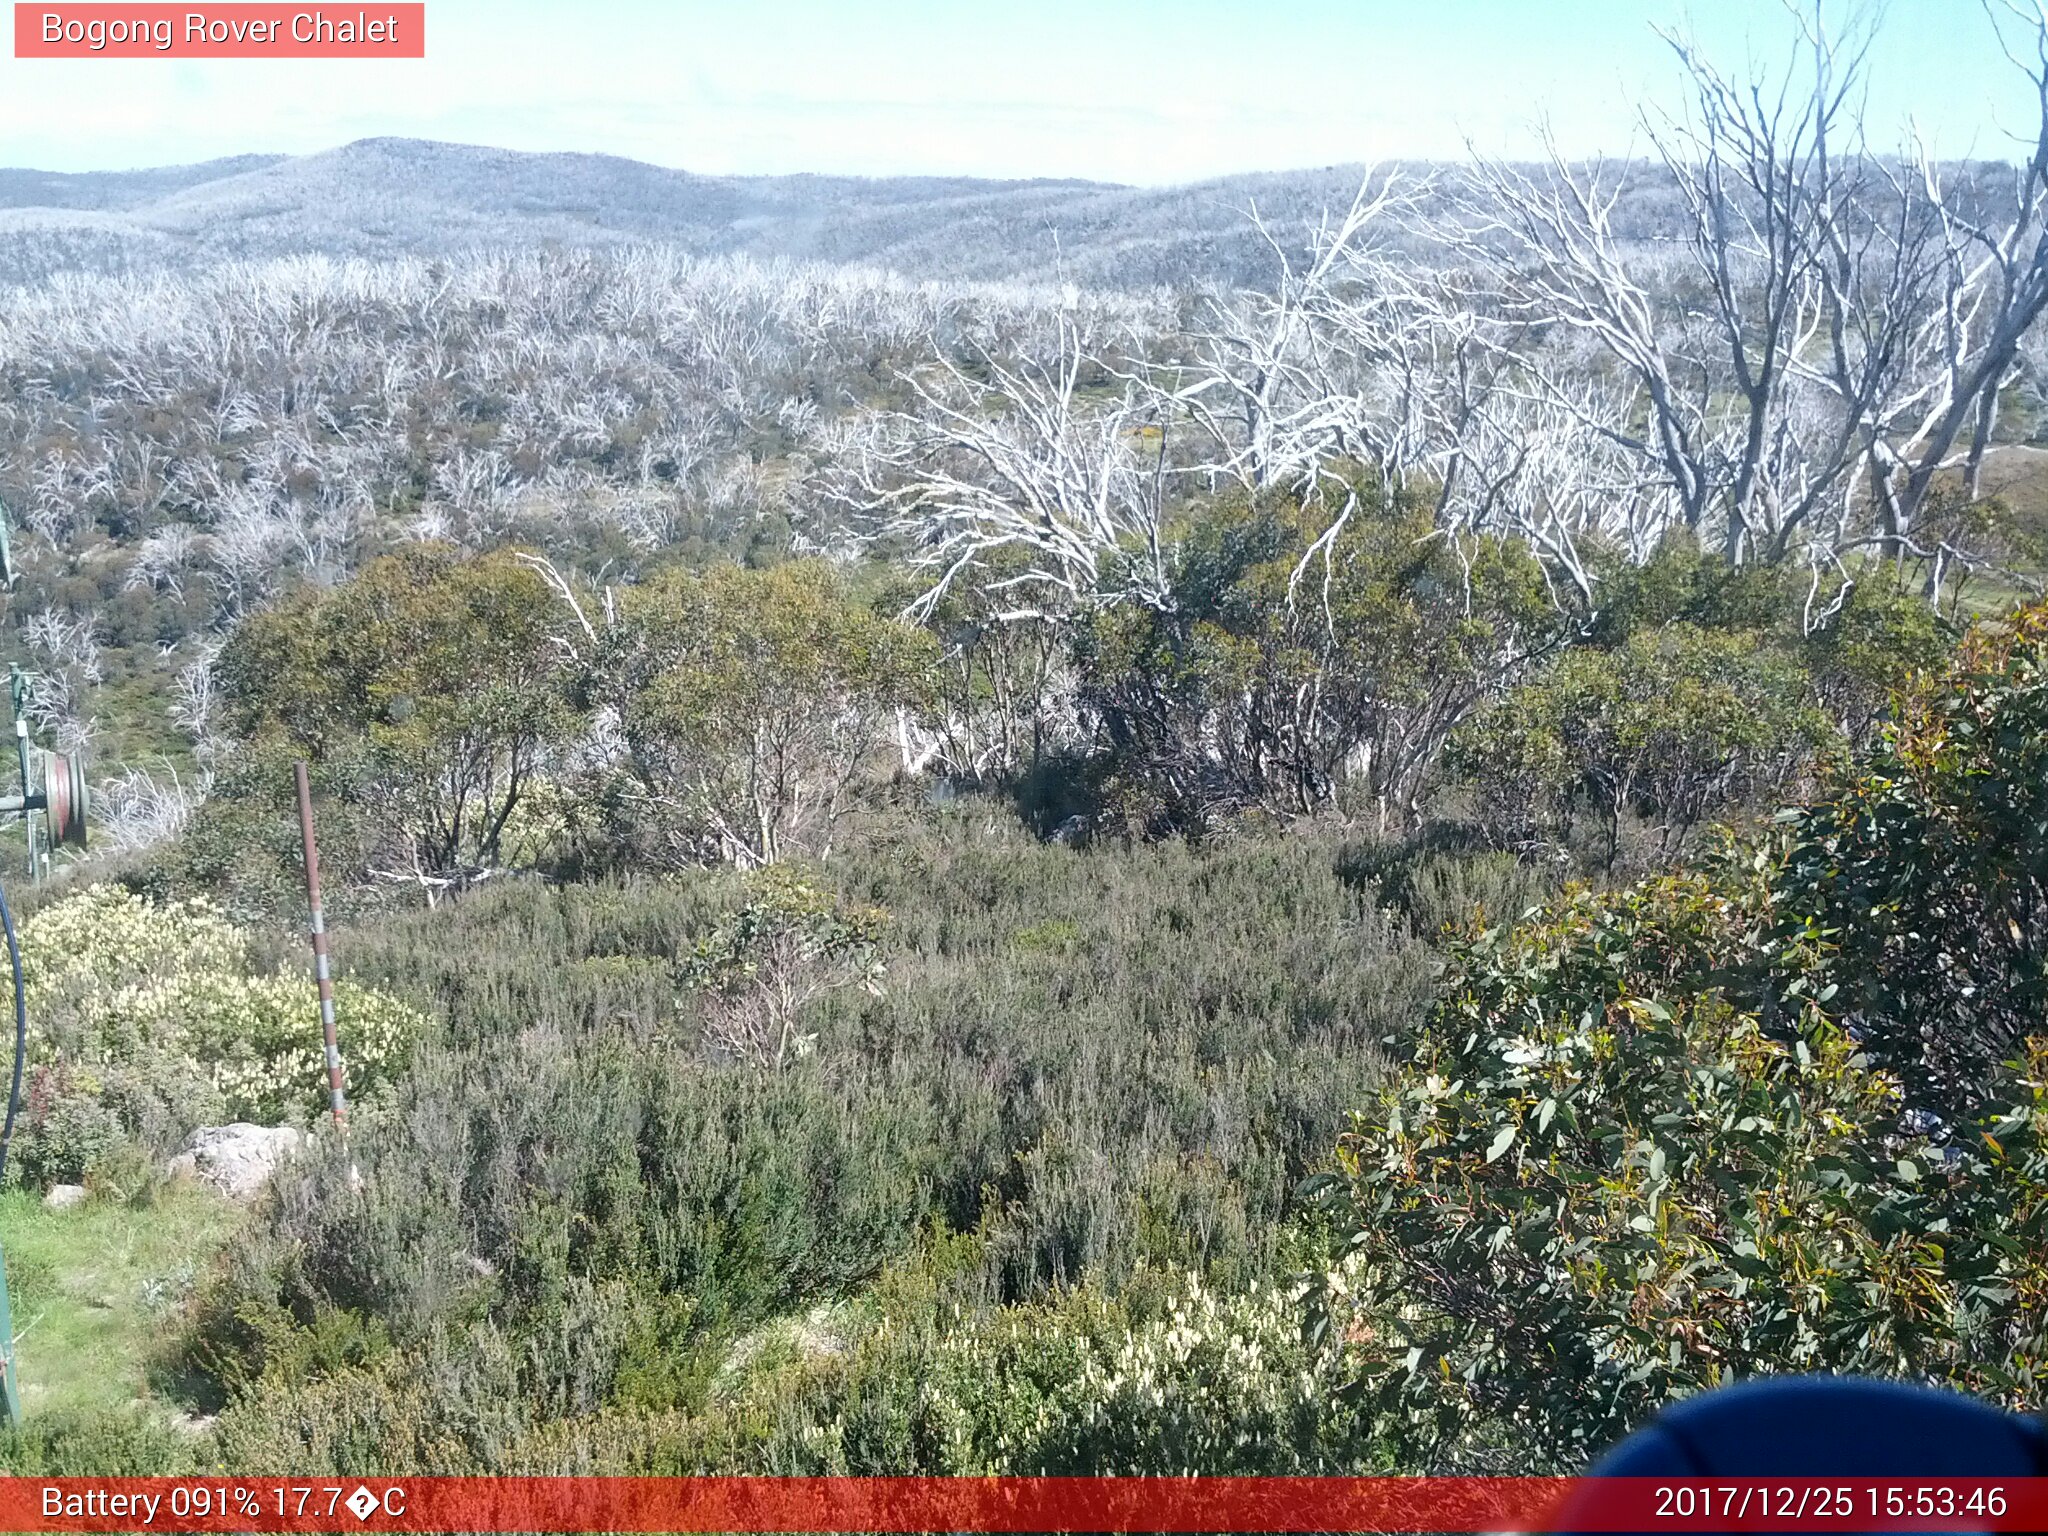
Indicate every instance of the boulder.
{"type": "Point", "coordinates": [238, 1160]}
{"type": "Point", "coordinates": [64, 1196]}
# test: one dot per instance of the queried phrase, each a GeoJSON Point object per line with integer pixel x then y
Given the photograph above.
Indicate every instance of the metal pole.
{"type": "Point", "coordinates": [322, 972]}
{"type": "Point", "coordinates": [17, 694]}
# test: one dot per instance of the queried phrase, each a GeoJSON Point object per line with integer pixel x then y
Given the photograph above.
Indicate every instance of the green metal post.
{"type": "Point", "coordinates": [7, 1373]}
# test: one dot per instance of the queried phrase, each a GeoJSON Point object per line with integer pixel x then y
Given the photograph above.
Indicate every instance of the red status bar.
{"type": "Point", "coordinates": [1018, 1504]}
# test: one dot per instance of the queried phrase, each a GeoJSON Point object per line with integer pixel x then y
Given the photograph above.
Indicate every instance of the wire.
{"type": "Point", "coordinates": [20, 1032]}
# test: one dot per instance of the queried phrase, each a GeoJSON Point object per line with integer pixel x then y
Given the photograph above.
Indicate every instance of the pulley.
{"type": "Point", "coordinates": [64, 796]}
{"type": "Point", "coordinates": [53, 783]}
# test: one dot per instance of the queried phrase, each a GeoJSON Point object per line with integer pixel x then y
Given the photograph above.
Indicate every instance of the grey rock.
{"type": "Point", "coordinates": [239, 1159]}
{"type": "Point", "coordinates": [62, 1197]}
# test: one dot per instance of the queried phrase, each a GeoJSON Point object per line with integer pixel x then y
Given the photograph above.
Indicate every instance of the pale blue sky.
{"type": "Point", "coordinates": [1146, 91]}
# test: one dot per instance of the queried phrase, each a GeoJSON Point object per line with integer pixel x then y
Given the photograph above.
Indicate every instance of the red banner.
{"type": "Point", "coordinates": [376, 31]}
{"type": "Point", "coordinates": [1019, 1504]}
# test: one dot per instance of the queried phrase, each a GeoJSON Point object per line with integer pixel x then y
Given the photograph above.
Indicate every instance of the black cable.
{"type": "Point", "coordinates": [20, 1033]}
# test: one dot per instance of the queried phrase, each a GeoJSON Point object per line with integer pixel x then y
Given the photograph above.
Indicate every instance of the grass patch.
{"type": "Point", "coordinates": [95, 1289]}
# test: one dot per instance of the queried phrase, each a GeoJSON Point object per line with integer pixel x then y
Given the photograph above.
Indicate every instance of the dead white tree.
{"type": "Point", "coordinates": [1336, 361]}
{"type": "Point", "coordinates": [1993, 289]}
{"type": "Point", "coordinates": [144, 808]}
{"type": "Point", "coordinates": [1835, 335]}
{"type": "Point", "coordinates": [1010, 478]}
{"type": "Point", "coordinates": [1529, 465]}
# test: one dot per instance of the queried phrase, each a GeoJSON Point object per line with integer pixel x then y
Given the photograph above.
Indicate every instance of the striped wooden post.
{"type": "Point", "coordinates": [323, 973]}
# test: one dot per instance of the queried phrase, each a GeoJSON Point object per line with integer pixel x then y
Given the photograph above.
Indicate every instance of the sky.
{"type": "Point", "coordinates": [1142, 91]}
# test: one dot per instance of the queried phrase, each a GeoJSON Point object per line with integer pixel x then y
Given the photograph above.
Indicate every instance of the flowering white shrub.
{"type": "Point", "coordinates": [148, 1018]}
{"type": "Point", "coordinates": [1217, 1381]}
{"type": "Point", "coordinates": [1199, 1380]}
{"type": "Point", "coordinates": [104, 936]}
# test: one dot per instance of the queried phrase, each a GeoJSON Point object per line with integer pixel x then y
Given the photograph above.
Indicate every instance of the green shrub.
{"type": "Point", "coordinates": [1603, 1184]}
{"type": "Point", "coordinates": [135, 1443]}
{"type": "Point", "coordinates": [1440, 891]}
{"type": "Point", "coordinates": [1869, 652]}
{"type": "Point", "coordinates": [1184, 1380]}
{"type": "Point", "coordinates": [430, 681]}
{"type": "Point", "coordinates": [1678, 1134]}
{"type": "Point", "coordinates": [753, 707]}
{"type": "Point", "coordinates": [1301, 664]}
{"type": "Point", "coordinates": [1681, 583]}
{"type": "Point", "coordinates": [1928, 871]}
{"type": "Point", "coordinates": [145, 1021]}
{"type": "Point", "coordinates": [1674, 723]}
{"type": "Point", "coordinates": [767, 963]}
{"type": "Point", "coordinates": [1138, 1093]}
{"type": "Point", "coordinates": [1167, 1378]}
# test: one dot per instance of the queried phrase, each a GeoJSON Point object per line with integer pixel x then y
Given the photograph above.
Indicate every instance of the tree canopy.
{"type": "Point", "coordinates": [433, 667]}
{"type": "Point", "coordinates": [1787, 1111]}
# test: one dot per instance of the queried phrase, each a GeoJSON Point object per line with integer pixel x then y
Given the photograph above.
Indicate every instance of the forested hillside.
{"type": "Point", "coordinates": [1376, 837]}
{"type": "Point", "coordinates": [402, 197]}
{"type": "Point", "coordinates": [385, 198]}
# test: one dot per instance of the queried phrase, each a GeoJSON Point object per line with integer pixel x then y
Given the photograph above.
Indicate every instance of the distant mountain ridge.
{"type": "Point", "coordinates": [388, 196]}
{"type": "Point", "coordinates": [117, 189]}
